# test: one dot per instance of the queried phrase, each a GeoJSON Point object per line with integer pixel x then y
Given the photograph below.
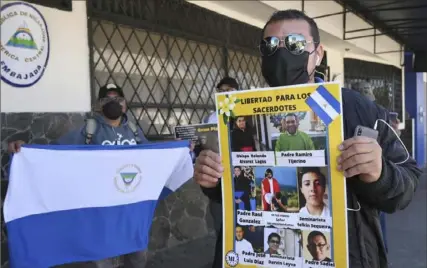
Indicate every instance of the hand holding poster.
{"type": "Point", "coordinates": [284, 203]}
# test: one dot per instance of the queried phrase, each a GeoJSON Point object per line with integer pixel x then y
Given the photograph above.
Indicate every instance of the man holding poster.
{"type": "Point", "coordinates": [381, 176]}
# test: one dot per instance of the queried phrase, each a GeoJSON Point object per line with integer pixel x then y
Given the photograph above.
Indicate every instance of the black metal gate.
{"type": "Point", "coordinates": [168, 56]}
{"type": "Point", "coordinates": [385, 79]}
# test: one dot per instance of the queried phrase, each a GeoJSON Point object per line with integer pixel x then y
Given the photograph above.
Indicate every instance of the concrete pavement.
{"type": "Point", "coordinates": [407, 232]}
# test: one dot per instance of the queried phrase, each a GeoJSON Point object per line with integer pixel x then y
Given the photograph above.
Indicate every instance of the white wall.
{"type": "Point", "coordinates": [65, 85]}
{"type": "Point", "coordinates": [331, 28]}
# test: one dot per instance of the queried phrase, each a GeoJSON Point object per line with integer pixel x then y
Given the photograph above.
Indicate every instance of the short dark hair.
{"type": "Point", "coordinates": [228, 81]}
{"type": "Point", "coordinates": [293, 14]}
{"type": "Point", "coordinates": [270, 236]}
{"type": "Point", "coordinates": [315, 170]}
{"type": "Point", "coordinates": [313, 234]}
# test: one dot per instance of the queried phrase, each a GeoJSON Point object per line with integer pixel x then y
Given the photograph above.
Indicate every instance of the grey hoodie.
{"type": "Point", "coordinates": [105, 134]}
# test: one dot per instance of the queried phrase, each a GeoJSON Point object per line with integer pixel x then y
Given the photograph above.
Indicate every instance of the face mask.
{"type": "Point", "coordinates": [284, 69]}
{"type": "Point", "coordinates": [112, 110]}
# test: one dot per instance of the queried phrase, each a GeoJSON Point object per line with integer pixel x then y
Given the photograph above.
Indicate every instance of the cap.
{"type": "Point", "coordinates": [103, 91]}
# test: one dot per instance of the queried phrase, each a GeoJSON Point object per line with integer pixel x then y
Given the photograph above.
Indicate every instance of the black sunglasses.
{"type": "Point", "coordinates": [294, 43]}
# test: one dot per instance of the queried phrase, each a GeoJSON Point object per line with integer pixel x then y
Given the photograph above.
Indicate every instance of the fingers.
{"type": "Point", "coordinates": [208, 169]}
{"type": "Point", "coordinates": [359, 169]}
{"type": "Point", "coordinates": [355, 149]}
{"type": "Point", "coordinates": [210, 154]}
{"type": "Point", "coordinates": [355, 160]}
{"type": "Point", "coordinates": [355, 140]}
{"type": "Point", "coordinates": [15, 146]}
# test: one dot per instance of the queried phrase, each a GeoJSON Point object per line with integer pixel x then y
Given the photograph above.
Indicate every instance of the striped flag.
{"type": "Point", "coordinates": [324, 105]}
{"type": "Point", "coordinates": [79, 203]}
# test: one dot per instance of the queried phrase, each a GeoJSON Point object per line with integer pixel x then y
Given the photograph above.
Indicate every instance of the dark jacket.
{"type": "Point", "coordinates": [393, 191]}
{"type": "Point", "coordinates": [241, 139]}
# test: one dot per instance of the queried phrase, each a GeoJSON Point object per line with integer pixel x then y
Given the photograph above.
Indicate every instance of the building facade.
{"type": "Point", "coordinates": [168, 56]}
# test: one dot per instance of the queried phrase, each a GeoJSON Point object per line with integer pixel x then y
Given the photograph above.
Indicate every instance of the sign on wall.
{"type": "Point", "coordinates": [25, 45]}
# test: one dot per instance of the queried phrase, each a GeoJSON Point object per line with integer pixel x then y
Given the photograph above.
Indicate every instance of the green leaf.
{"type": "Point", "coordinates": [232, 114]}
{"type": "Point", "coordinates": [238, 100]}
{"type": "Point", "coordinates": [219, 111]}
{"type": "Point", "coordinates": [226, 95]}
{"type": "Point", "coordinates": [225, 118]}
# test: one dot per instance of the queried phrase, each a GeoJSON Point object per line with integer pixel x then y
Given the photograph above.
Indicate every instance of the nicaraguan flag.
{"type": "Point", "coordinates": [324, 105]}
{"type": "Point", "coordinates": [78, 203]}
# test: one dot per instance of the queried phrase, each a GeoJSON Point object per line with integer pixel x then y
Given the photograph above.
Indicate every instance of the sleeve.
{"type": "Point", "coordinates": [234, 142]}
{"type": "Point", "coordinates": [277, 147]}
{"type": "Point", "coordinates": [142, 136]}
{"type": "Point", "coordinates": [309, 142]}
{"type": "Point", "coordinates": [399, 178]}
{"type": "Point", "coordinates": [73, 137]}
{"type": "Point", "coordinates": [214, 194]}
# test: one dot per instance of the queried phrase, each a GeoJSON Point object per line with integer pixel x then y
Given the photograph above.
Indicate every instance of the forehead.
{"type": "Point", "coordinates": [290, 118]}
{"type": "Point", "coordinates": [309, 176]}
{"type": "Point", "coordinates": [318, 239]}
{"type": "Point", "coordinates": [285, 27]}
{"type": "Point", "coordinates": [112, 94]}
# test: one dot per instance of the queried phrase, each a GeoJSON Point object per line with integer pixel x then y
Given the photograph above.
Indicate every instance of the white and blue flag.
{"type": "Point", "coordinates": [79, 203]}
{"type": "Point", "coordinates": [324, 104]}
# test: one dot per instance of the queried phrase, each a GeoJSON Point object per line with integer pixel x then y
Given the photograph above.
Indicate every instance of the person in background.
{"type": "Point", "coordinates": [374, 182]}
{"type": "Point", "coordinates": [227, 84]}
{"type": "Point", "coordinates": [242, 139]}
{"type": "Point", "coordinates": [365, 89]}
{"type": "Point", "coordinates": [111, 127]}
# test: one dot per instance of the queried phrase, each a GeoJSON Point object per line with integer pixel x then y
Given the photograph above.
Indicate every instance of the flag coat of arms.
{"type": "Point", "coordinates": [79, 203]}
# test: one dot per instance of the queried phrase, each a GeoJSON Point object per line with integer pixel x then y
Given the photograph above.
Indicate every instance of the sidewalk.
{"type": "Point", "coordinates": [406, 231]}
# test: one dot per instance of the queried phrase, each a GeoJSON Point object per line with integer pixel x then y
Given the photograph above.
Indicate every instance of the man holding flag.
{"type": "Point", "coordinates": [380, 175]}
{"type": "Point", "coordinates": [109, 126]}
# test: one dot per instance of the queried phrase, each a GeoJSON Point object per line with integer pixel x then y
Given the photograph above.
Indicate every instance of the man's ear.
{"type": "Point", "coordinates": [320, 52]}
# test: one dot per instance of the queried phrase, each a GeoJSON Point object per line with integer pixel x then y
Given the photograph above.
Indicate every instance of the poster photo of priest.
{"type": "Point", "coordinates": [301, 131]}
{"type": "Point", "coordinates": [314, 191]}
{"type": "Point", "coordinates": [243, 135]}
{"type": "Point", "coordinates": [277, 189]}
{"type": "Point", "coordinates": [316, 246]}
{"type": "Point", "coordinates": [244, 188]}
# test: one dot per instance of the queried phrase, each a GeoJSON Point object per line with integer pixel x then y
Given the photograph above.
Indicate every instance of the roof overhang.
{"type": "Point", "coordinates": [403, 21]}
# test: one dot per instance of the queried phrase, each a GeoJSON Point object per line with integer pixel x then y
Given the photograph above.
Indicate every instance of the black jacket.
{"type": "Point", "coordinates": [393, 191]}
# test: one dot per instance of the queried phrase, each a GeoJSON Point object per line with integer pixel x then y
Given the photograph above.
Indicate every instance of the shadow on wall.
{"type": "Point", "coordinates": [182, 222]}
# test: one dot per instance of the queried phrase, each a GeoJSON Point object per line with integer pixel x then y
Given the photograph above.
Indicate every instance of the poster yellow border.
{"type": "Point", "coordinates": [338, 185]}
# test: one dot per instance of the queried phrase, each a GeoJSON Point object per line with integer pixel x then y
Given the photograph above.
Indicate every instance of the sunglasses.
{"type": "Point", "coordinates": [108, 99]}
{"type": "Point", "coordinates": [294, 43]}
{"type": "Point", "coordinates": [275, 242]}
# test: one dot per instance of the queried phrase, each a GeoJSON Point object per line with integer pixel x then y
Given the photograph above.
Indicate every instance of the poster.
{"type": "Point", "coordinates": [284, 199]}
{"type": "Point", "coordinates": [202, 136]}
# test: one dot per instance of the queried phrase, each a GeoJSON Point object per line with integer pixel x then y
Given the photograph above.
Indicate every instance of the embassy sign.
{"type": "Point", "coordinates": [24, 46]}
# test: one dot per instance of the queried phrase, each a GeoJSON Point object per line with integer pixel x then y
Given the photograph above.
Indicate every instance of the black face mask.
{"type": "Point", "coordinates": [112, 110]}
{"type": "Point", "coordinates": [284, 68]}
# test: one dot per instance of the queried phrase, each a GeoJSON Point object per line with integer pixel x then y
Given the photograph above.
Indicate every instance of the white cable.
{"type": "Point", "coordinates": [398, 138]}
{"type": "Point", "coordinates": [401, 142]}
{"type": "Point", "coordinates": [358, 209]}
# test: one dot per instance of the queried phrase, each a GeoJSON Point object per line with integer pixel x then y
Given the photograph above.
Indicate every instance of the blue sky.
{"type": "Point", "coordinates": [284, 175]}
